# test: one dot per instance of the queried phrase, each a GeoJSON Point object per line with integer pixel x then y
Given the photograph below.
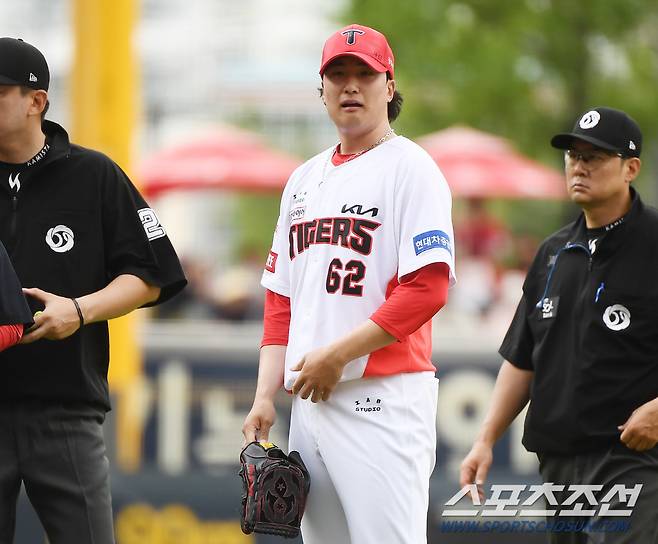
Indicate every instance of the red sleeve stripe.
{"type": "Point", "coordinates": [414, 301]}
{"type": "Point", "coordinates": [276, 320]}
{"type": "Point", "coordinates": [10, 335]}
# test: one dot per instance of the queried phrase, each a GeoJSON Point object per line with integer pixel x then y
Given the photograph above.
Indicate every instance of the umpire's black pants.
{"type": "Point", "coordinates": [58, 452]}
{"type": "Point", "coordinates": [613, 465]}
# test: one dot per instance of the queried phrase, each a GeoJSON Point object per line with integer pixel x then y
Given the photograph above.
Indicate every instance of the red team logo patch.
{"type": "Point", "coordinates": [270, 264]}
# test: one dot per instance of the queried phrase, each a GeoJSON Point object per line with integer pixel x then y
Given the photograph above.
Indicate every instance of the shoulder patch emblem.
{"type": "Point", "coordinates": [432, 239]}
{"type": "Point", "coordinates": [270, 264]}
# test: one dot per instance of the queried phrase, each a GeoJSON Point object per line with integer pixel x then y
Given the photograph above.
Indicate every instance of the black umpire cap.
{"type": "Point", "coordinates": [22, 64]}
{"type": "Point", "coordinates": [606, 128]}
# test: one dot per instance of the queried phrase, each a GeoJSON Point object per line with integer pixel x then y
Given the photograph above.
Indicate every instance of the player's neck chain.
{"type": "Point", "coordinates": [385, 137]}
{"type": "Point", "coordinates": [353, 156]}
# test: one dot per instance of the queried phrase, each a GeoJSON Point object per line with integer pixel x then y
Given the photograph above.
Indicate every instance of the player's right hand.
{"type": "Point", "coordinates": [475, 466]}
{"type": "Point", "coordinates": [259, 421]}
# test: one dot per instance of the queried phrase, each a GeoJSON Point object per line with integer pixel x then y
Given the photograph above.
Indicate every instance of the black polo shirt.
{"type": "Point", "coordinates": [72, 222]}
{"type": "Point", "coordinates": [587, 325]}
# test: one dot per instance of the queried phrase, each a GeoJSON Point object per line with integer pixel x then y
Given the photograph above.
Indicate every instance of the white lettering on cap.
{"type": "Point", "coordinates": [590, 119]}
{"type": "Point", "coordinates": [631, 145]}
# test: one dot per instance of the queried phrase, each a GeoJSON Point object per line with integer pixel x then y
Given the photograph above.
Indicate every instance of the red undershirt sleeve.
{"type": "Point", "coordinates": [419, 296]}
{"type": "Point", "coordinates": [276, 320]}
{"type": "Point", "coordinates": [10, 335]}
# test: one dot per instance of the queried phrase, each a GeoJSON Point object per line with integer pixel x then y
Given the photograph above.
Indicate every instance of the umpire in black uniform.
{"type": "Point", "coordinates": [583, 345]}
{"type": "Point", "coordinates": [89, 248]}
{"type": "Point", "coordinates": [15, 314]}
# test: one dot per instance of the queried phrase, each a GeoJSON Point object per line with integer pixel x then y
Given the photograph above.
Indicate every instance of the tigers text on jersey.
{"type": "Point", "coordinates": [344, 237]}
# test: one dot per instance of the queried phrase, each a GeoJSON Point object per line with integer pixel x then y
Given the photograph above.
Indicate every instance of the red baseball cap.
{"type": "Point", "coordinates": [362, 42]}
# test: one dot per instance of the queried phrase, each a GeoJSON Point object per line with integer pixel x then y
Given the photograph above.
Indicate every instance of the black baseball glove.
{"type": "Point", "coordinates": [275, 487]}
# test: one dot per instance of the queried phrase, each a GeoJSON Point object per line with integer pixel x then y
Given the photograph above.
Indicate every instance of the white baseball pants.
{"type": "Point", "coordinates": [370, 450]}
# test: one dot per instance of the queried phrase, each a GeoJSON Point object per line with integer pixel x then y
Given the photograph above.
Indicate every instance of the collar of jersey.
{"type": "Point", "coordinates": [338, 158]}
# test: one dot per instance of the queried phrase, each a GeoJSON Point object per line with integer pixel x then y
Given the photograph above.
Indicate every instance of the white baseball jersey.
{"type": "Point", "coordinates": [344, 237]}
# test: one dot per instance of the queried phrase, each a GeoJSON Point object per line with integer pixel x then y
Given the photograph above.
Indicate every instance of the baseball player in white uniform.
{"type": "Point", "coordinates": [362, 259]}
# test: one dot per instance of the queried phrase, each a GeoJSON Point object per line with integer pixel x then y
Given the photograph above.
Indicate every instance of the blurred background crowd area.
{"type": "Point", "coordinates": [223, 82]}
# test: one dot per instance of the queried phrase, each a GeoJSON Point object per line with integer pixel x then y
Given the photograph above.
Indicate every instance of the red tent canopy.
{"type": "Point", "coordinates": [477, 164]}
{"type": "Point", "coordinates": [222, 158]}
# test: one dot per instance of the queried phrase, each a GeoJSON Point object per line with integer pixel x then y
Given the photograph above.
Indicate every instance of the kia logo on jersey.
{"type": "Point", "coordinates": [358, 210]}
{"type": "Point", "coordinates": [60, 238]}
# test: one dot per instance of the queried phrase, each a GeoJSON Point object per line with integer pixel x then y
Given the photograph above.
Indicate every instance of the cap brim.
{"type": "Point", "coordinates": [370, 61]}
{"type": "Point", "coordinates": [564, 141]}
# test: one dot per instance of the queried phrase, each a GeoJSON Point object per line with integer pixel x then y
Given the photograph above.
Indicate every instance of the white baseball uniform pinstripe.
{"type": "Point", "coordinates": [344, 235]}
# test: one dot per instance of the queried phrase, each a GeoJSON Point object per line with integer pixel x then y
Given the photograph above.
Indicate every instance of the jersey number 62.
{"type": "Point", "coordinates": [349, 283]}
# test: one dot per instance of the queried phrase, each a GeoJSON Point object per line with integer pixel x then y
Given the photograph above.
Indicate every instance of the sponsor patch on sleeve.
{"type": "Point", "coordinates": [270, 264]}
{"type": "Point", "coordinates": [432, 239]}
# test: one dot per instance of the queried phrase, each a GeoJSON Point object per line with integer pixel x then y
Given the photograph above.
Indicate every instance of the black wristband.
{"type": "Point", "coordinates": [77, 307]}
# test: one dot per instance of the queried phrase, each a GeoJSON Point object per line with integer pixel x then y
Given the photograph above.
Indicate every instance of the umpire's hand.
{"type": "Point", "coordinates": [58, 319]}
{"type": "Point", "coordinates": [475, 466]}
{"type": "Point", "coordinates": [640, 432]}
{"type": "Point", "coordinates": [321, 370]}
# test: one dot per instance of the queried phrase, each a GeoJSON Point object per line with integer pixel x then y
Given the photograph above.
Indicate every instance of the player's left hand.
{"type": "Point", "coordinates": [320, 371]}
{"type": "Point", "coordinates": [640, 432]}
{"type": "Point", "coordinates": [58, 319]}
